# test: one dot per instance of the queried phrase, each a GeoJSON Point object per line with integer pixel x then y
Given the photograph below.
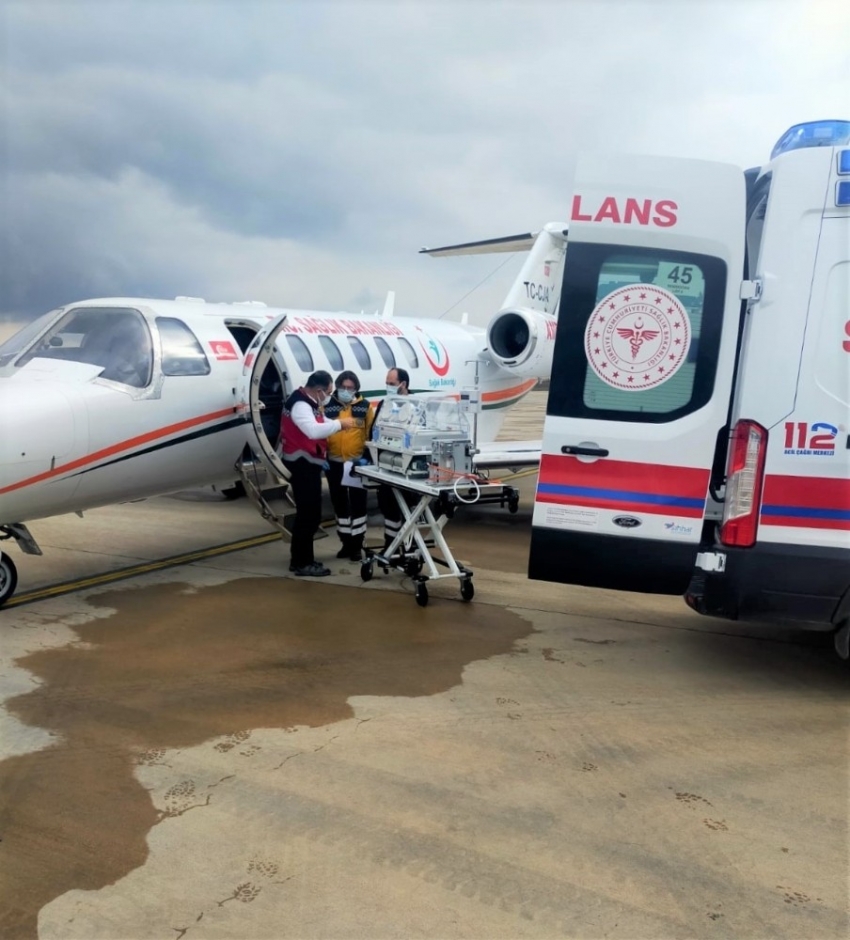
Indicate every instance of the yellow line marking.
{"type": "Point", "coordinates": [80, 584]}
{"type": "Point", "coordinates": [121, 574]}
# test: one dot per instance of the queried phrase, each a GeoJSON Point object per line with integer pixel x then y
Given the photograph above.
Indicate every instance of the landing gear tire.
{"type": "Point", "coordinates": [421, 594]}
{"type": "Point", "coordinates": [366, 571]}
{"type": "Point", "coordinates": [8, 578]}
{"type": "Point", "coordinates": [467, 589]}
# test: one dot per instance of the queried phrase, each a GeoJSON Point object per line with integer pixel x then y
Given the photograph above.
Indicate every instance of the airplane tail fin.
{"type": "Point", "coordinates": [537, 285]}
{"type": "Point", "coordinates": [521, 335]}
{"type": "Point", "coordinates": [488, 246]}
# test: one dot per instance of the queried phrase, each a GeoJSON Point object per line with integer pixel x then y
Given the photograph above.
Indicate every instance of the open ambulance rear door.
{"type": "Point", "coordinates": [636, 425]}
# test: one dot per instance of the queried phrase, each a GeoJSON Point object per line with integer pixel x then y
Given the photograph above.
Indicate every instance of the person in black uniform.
{"type": "Point", "coordinates": [349, 502]}
{"type": "Point", "coordinates": [304, 432]}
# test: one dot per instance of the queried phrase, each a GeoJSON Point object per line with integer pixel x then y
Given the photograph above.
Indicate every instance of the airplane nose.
{"type": "Point", "coordinates": [41, 433]}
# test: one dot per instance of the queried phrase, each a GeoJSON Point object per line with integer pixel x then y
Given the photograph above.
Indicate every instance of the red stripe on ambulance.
{"type": "Point", "coordinates": [806, 502]}
{"type": "Point", "coordinates": [623, 485]}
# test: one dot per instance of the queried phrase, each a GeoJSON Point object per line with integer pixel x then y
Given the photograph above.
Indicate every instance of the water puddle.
{"type": "Point", "coordinates": [173, 669]}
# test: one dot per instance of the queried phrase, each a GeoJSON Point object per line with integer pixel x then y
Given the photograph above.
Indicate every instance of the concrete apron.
{"type": "Point", "coordinates": [223, 751]}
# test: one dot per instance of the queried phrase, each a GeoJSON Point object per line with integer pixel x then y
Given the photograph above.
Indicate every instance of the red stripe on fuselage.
{"type": "Point", "coordinates": [118, 448]}
{"type": "Point", "coordinates": [514, 390]}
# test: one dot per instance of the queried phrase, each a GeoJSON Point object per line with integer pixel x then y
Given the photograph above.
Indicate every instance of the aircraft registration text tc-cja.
{"type": "Point", "coordinates": [119, 399]}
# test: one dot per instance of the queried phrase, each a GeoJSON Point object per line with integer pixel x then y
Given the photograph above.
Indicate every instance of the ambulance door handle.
{"type": "Point", "coordinates": [581, 450]}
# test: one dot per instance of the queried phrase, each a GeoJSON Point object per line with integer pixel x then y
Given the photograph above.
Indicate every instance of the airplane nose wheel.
{"type": "Point", "coordinates": [8, 578]}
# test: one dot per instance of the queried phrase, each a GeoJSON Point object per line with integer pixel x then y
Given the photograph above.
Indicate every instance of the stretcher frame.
{"type": "Point", "coordinates": [409, 550]}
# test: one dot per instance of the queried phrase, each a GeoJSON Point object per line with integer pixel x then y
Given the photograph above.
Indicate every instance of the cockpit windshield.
{"type": "Point", "coordinates": [116, 338]}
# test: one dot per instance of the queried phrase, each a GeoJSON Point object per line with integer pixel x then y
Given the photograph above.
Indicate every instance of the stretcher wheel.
{"type": "Point", "coordinates": [467, 589]}
{"type": "Point", "coordinates": [366, 571]}
{"type": "Point", "coordinates": [421, 594]}
{"type": "Point", "coordinates": [513, 505]}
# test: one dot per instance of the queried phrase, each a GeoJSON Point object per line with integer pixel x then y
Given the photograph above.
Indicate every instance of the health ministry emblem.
{"type": "Point", "coordinates": [434, 352]}
{"type": "Point", "coordinates": [637, 337]}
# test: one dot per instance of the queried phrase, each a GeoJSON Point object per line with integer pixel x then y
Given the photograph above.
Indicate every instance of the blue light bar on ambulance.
{"type": "Point", "coordinates": [813, 134]}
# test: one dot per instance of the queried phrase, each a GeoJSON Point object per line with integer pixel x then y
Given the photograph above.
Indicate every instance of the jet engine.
{"type": "Point", "coordinates": [522, 341]}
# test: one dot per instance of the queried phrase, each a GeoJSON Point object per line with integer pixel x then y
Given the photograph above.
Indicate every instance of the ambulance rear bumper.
{"type": "Point", "coordinates": [803, 584]}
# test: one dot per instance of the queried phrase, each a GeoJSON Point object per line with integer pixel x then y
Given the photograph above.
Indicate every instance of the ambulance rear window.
{"type": "Point", "coordinates": [638, 333]}
{"type": "Point", "coordinates": [685, 281]}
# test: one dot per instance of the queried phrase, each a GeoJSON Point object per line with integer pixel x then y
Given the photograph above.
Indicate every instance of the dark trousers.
{"type": "Point", "coordinates": [349, 504]}
{"type": "Point", "coordinates": [391, 511]}
{"type": "Point", "coordinates": [306, 483]}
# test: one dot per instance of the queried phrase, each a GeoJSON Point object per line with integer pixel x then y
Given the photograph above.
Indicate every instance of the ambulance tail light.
{"type": "Point", "coordinates": [744, 481]}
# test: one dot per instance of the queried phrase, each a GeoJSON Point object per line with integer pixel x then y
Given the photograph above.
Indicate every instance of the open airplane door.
{"type": "Point", "coordinates": [637, 415]}
{"type": "Point", "coordinates": [258, 356]}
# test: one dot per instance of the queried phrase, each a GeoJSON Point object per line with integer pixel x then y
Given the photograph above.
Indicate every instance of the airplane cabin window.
{"type": "Point", "coordinates": [182, 354]}
{"type": "Point", "coordinates": [385, 351]}
{"type": "Point", "coordinates": [331, 350]}
{"type": "Point", "coordinates": [301, 352]}
{"type": "Point", "coordinates": [409, 351]}
{"type": "Point", "coordinates": [361, 354]}
{"type": "Point", "coordinates": [117, 339]}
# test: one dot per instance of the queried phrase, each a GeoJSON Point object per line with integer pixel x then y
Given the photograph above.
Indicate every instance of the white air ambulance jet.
{"type": "Point", "coordinates": [118, 399]}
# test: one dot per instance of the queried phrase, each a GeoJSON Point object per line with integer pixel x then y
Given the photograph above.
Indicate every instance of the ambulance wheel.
{"type": "Point", "coordinates": [467, 589]}
{"type": "Point", "coordinates": [421, 594]}
{"type": "Point", "coordinates": [841, 639]}
{"type": "Point", "coordinates": [8, 578]}
{"type": "Point", "coordinates": [366, 571]}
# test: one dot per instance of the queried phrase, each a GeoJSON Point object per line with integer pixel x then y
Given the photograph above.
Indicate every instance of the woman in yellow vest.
{"type": "Point", "coordinates": [349, 502]}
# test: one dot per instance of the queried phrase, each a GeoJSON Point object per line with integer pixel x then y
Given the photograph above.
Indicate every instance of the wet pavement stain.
{"type": "Point", "coordinates": [173, 669]}
{"type": "Point", "coordinates": [492, 539]}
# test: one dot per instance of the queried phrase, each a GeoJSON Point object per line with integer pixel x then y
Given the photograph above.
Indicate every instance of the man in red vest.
{"type": "Point", "coordinates": [303, 431]}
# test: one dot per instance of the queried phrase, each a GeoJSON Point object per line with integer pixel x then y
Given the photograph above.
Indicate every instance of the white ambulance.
{"type": "Point", "coordinates": [697, 433]}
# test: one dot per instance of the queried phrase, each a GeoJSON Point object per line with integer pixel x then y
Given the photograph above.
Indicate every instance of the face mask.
{"type": "Point", "coordinates": [344, 395]}
{"type": "Point", "coordinates": [392, 390]}
{"type": "Point", "coordinates": [326, 400]}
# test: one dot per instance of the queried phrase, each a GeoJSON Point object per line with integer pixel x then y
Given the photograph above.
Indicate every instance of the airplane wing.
{"type": "Point", "coordinates": [488, 246]}
{"type": "Point", "coordinates": [501, 455]}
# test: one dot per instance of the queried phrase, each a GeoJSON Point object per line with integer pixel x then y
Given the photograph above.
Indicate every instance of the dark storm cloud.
{"type": "Point", "coordinates": [301, 152]}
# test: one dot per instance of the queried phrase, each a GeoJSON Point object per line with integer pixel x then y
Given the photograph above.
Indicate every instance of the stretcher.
{"type": "Point", "coordinates": [421, 530]}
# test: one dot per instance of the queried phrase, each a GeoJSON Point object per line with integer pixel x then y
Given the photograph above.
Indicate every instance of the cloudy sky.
{"type": "Point", "coordinates": [300, 152]}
